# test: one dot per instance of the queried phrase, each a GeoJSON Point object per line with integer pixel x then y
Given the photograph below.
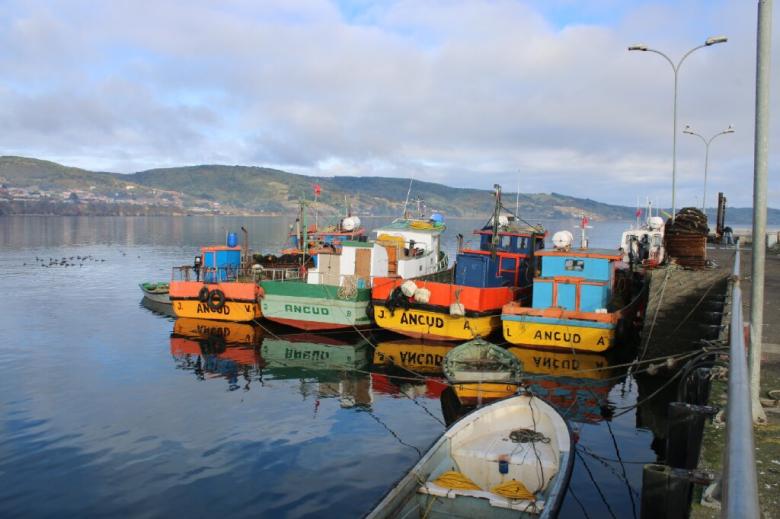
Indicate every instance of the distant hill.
{"type": "Point", "coordinates": [242, 189]}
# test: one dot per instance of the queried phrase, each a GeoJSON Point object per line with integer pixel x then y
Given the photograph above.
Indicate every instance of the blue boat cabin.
{"type": "Point", "coordinates": [508, 267]}
{"type": "Point", "coordinates": [576, 280]}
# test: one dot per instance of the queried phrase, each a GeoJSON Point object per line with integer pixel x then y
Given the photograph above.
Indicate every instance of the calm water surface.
{"type": "Point", "coordinates": [107, 408]}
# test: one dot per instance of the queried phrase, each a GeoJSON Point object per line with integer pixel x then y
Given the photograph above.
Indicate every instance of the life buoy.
{"type": "Point", "coordinates": [203, 295]}
{"type": "Point", "coordinates": [216, 300]}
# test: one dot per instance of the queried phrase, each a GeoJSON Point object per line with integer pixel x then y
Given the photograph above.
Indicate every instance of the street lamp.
{"type": "Point", "coordinates": [706, 142]}
{"type": "Point", "coordinates": [712, 40]}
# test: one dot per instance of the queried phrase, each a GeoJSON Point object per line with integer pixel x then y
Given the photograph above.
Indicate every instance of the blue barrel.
{"type": "Point", "coordinates": [232, 239]}
{"type": "Point", "coordinates": [437, 218]}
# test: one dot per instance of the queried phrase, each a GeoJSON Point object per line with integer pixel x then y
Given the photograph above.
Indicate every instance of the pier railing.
{"type": "Point", "coordinates": [740, 488]}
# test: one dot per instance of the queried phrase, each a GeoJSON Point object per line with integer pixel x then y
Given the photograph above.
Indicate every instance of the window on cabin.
{"type": "Point", "coordinates": [505, 243]}
{"type": "Point", "coordinates": [576, 265]}
{"type": "Point", "coordinates": [522, 243]}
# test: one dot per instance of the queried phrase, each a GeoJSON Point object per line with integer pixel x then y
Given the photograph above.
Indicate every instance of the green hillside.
{"type": "Point", "coordinates": [264, 189]}
{"type": "Point", "coordinates": [248, 190]}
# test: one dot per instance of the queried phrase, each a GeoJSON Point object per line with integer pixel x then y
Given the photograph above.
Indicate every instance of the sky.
{"type": "Point", "coordinates": [537, 93]}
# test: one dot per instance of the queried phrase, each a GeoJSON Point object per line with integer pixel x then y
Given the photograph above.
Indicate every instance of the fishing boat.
{"type": "Point", "coordinates": [222, 284]}
{"type": "Point", "coordinates": [643, 244]}
{"type": "Point", "coordinates": [583, 299]}
{"type": "Point", "coordinates": [465, 302]}
{"type": "Point", "coordinates": [309, 238]}
{"type": "Point", "coordinates": [480, 371]}
{"type": "Point", "coordinates": [156, 292]}
{"type": "Point", "coordinates": [336, 291]}
{"type": "Point", "coordinates": [512, 458]}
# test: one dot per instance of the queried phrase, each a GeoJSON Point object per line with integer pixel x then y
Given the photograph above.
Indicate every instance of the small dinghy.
{"type": "Point", "coordinates": [156, 292]}
{"type": "Point", "coordinates": [480, 371]}
{"type": "Point", "coordinates": [512, 458]}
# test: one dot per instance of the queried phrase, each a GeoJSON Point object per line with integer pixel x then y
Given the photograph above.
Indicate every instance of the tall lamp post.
{"type": "Point", "coordinates": [713, 40]}
{"type": "Point", "coordinates": [706, 142]}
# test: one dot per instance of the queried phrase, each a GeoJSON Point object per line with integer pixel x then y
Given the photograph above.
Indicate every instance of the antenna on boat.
{"type": "Point", "coordinates": [496, 211]}
{"type": "Point", "coordinates": [517, 201]}
{"type": "Point", "coordinates": [637, 213]}
{"type": "Point", "coordinates": [584, 225]}
{"type": "Point", "coordinates": [408, 192]}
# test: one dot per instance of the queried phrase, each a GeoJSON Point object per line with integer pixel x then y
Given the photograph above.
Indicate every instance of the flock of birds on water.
{"type": "Point", "coordinates": [65, 261]}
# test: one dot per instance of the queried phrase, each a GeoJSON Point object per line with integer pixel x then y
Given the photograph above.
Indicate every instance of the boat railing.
{"type": "Point", "coordinates": [234, 274]}
{"type": "Point", "coordinates": [279, 273]}
{"type": "Point", "coordinates": [740, 487]}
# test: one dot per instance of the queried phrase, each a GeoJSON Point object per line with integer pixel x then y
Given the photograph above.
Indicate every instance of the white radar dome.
{"type": "Point", "coordinates": [562, 239]}
{"type": "Point", "coordinates": [655, 222]}
{"type": "Point", "coordinates": [350, 223]}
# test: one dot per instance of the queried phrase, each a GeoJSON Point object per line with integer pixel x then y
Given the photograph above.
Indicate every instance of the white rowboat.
{"type": "Point", "coordinates": [471, 471]}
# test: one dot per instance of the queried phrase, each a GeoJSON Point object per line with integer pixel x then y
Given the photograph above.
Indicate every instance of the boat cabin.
{"type": "Point", "coordinates": [220, 263]}
{"type": "Point", "coordinates": [510, 265]}
{"type": "Point", "coordinates": [405, 248]}
{"type": "Point", "coordinates": [578, 280]}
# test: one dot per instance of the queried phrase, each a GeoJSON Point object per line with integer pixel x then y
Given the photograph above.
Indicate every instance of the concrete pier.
{"type": "Point", "coordinates": [685, 306]}
{"type": "Point", "coordinates": [767, 437]}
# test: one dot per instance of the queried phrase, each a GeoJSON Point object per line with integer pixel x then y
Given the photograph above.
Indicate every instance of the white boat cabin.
{"type": "Point", "coordinates": [404, 248]}
{"type": "Point", "coordinates": [644, 244]}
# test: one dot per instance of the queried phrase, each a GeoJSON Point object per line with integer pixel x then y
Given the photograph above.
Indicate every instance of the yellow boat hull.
{"type": "Point", "coordinates": [236, 311]}
{"type": "Point", "coordinates": [539, 335]}
{"type": "Point", "coordinates": [474, 393]}
{"type": "Point", "coordinates": [424, 324]}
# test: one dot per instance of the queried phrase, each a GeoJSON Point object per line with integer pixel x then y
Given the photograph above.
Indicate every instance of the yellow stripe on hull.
{"type": "Point", "coordinates": [434, 325]}
{"type": "Point", "coordinates": [581, 338]}
{"type": "Point", "coordinates": [470, 394]}
{"type": "Point", "coordinates": [237, 311]}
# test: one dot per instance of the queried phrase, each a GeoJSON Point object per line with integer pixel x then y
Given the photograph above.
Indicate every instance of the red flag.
{"type": "Point", "coordinates": [584, 221]}
{"type": "Point", "coordinates": [638, 213]}
{"type": "Point", "coordinates": [317, 190]}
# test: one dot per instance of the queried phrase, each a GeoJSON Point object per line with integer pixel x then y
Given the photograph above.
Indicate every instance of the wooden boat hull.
{"type": "Point", "coordinates": [159, 294]}
{"type": "Point", "coordinates": [476, 393]}
{"type": "Point", "coordinates": [561, 333]}
{"type": "Point", "coordinates": [314, 307]}
{"type": "Point", "coordinates": [473, 446]}
{"type": "Point", "coordinates": [434, 325]}
{"type": "Point", "coordinates": [555, 328]}
{"type": "Point", "coordinates": [240, 301]}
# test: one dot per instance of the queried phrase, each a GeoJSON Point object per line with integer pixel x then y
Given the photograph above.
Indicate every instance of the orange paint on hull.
{"type": "Point", "coordinates": [474, 299]}
{"type": "Point", "coordinates": [233, 290]}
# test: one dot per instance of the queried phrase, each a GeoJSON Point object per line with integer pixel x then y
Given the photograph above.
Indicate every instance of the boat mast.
{"type": "Point", "coordinates": [408, 192]}
{"type": "Point", "coordinates": [496, 211]}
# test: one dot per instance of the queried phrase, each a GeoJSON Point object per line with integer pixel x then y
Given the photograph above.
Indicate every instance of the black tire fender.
{"type": "Point", "coordinates": [216, 300]}
{"type": "Point", "coordinates": [203, 295]}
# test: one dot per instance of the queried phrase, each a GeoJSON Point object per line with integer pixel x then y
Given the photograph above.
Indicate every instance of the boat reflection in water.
{"type": "Point", "coordinates": [409, 367]}
{"type": "Point", "coordinates": [326, 366]}
{"type": "Point", "coordinates": [214, 349]}
{"type": "Point", "coordinates": [338, 365]}
{"type": "Point", "coordinates": [577, 384]}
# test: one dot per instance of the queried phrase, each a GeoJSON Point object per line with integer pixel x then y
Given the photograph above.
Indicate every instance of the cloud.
{"type": "Point", "coordinates": [463, 92]}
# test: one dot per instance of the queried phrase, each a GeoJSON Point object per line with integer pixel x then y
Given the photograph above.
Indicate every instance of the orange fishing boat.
{"type": "Point", "coordinates": [464, 302]}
